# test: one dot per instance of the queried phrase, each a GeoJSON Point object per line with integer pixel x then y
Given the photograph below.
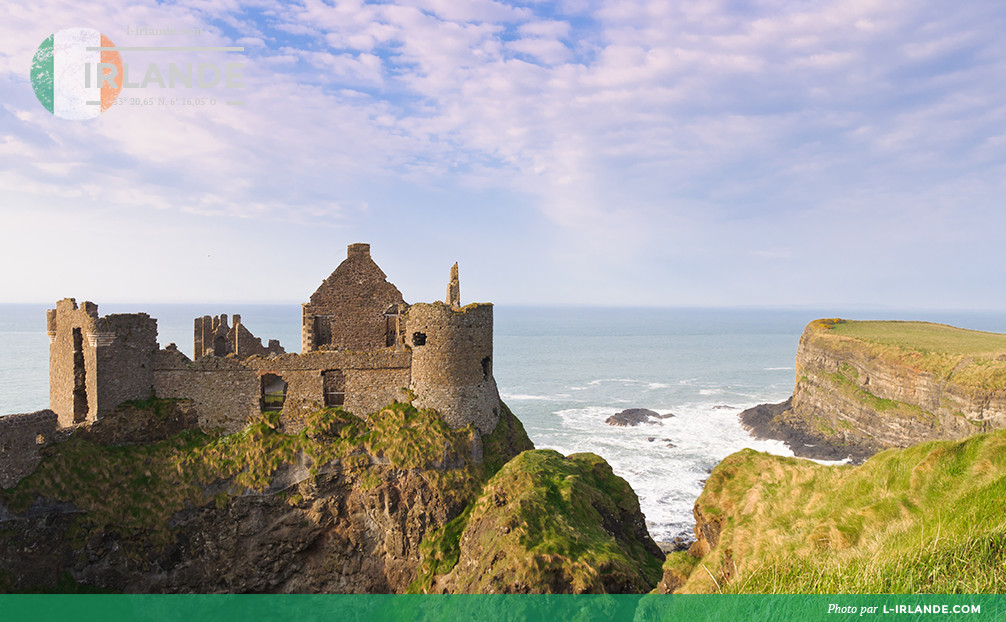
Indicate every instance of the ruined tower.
{"type": "Point", "coordinates": [355, 308]}
{"type": "Point", "coordinates": [452, 358]}
{"type": "Point", "coordinates": [96, 363]}
{"type": "Point", "coordinates": [212, 335]}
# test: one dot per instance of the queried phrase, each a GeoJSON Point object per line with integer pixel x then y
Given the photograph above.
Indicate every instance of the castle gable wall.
{"type": "Point", "coordinates": [348, 310]}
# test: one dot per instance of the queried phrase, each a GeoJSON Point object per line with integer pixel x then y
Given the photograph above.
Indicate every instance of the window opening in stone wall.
{"type": "Point", "coordinates": [40, 439]}
{"type": "Point", "coordinates": [390, 330]}
{"type": "Point", "coordinates": [419, 339]}
{"type": "Point", "coordinates": [79, 378]}
{"type": "Point", "coordinates": [486, 368]}
{"type": "Point", "coordinates": [322, 331]}
{"type": "Point", "coordinates": [273, 393]}
{"type": "Point", "coordinates": [334, 382]}
{"type": "Point", "coordinates": [220, 346]}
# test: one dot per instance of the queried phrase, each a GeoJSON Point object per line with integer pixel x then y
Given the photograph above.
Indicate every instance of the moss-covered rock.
{"type": "Point", "coordinates": [545, 524]}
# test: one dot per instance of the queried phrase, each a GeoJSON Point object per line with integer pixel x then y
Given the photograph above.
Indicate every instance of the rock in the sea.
{"type": "Point", "coordinates": [635, 416]}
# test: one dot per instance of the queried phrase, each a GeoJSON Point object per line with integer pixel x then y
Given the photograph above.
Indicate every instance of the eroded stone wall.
{"type": "Point", "coordinates": [96, 363]}
{"type": "Point", "coordinates": [213, 335]}
{"type": "Point", "coordinates": [22, 438]}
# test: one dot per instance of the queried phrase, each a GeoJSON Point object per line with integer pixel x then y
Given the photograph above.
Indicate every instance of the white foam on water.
{"type": "Point", "coordinates": [536, 398]}
{"type": "Point", "coordinates": [666, 479]}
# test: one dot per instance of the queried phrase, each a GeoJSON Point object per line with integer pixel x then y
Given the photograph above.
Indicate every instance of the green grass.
{"type": "Point", "coordinates": [925, 336]}
{"type": "Point", "coordinates": [927, 518]}
{"type": "Point", "coordinates": [969, 358]}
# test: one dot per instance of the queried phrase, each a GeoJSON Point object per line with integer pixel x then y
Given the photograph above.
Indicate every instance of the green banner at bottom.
{"type": "Point", "coordinates": [548, 608]}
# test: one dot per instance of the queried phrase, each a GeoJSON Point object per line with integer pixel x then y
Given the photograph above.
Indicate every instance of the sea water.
{"type": "Point", "coordinates": [563, 371]}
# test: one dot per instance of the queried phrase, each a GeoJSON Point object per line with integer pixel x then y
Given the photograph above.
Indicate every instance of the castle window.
{"type": "Point", "coordinates": [487, 369]}
{"type": "Point", "coordinates": [79, 378]}
{"type": "Point", "coordinates": [273, 393]}
{"type": "Point", "coordinates": [334, 381]}
{"type": "Point", "coordinates": [419, 339]}
{"type": "Point", "coordinates": [40, 439]}
{"type": "Point", "coordinates": [220, 346]}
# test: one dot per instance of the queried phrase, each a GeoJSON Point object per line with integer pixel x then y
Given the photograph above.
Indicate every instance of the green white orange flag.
{"type": "Point", "coordinates": [65, 73]}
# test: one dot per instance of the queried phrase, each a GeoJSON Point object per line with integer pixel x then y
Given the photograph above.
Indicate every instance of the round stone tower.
{"type": "Point", "coordinates": [452, 362]}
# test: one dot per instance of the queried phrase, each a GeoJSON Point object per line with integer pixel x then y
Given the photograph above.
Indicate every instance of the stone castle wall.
{"type": "Point", "coordinates": [96, 363]}
{"type": "Point", "coordinates": [227, 391]}
{"type": "Point", "coordinates": [364, 347]}
{"type": "Point", "coordinates": [452, 352]}
{"type": "Point", "coordinates": [22, 438]}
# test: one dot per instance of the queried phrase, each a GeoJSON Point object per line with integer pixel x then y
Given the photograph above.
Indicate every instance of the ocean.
{"type": "Point", "coordinates": [563, 371]}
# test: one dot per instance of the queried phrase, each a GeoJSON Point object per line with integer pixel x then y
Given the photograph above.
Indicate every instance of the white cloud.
{"type": "Point", "coordinates": [621, 120]}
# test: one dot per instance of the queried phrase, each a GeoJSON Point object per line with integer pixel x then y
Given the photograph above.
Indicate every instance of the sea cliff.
{"type": "Point", "coordinates": [865, 386]}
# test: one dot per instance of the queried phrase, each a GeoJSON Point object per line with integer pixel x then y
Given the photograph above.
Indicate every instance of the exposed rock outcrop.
{"type": "Point", "coordinates": [342, 507]}
{"type": "Point", "coordinates": [635, 416]}
{"type": "Point", "coordinates": [346, 506]}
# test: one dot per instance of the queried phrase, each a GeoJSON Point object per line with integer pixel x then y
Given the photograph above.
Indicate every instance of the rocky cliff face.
{"type": "Point", "coordinates": [860, 389]}
{"type": "Point", "coordinates": [342, 507]}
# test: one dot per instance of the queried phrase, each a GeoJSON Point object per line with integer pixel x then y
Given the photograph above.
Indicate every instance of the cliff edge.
{"type": "Point", "coordinates": [926, 519]}
{"type": "Point", "coordinates": [862, 387]}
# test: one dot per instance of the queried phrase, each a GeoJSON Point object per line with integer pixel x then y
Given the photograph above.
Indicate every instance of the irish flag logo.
{"type": "Point", "coordinates": [74, 75]}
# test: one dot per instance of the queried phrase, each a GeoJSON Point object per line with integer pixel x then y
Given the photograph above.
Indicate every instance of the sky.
{"type": "Point", "coordinates": [603, 152]}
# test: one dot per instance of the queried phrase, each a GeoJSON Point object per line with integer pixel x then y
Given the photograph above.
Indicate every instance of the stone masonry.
{"type": "Point", "coordinates": [363, 347]}
{"type": "Point", "coordinates": [22, 438]}
{"type": "Point", "coordinates": [355, 308]}
{"type": "Point", "coordinates": [96, 363]}
{"type": "Point", "coordinates": [213, 333]}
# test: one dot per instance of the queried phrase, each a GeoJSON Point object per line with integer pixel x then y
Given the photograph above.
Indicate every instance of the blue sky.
{"type": "Point", "coordinates": [621, 152]}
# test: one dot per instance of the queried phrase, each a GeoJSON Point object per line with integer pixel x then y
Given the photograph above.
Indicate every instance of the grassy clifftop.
{"type": "Point", "coordinates": [928, 518]}
{"type": "Point", "coordinates": [969, 358]}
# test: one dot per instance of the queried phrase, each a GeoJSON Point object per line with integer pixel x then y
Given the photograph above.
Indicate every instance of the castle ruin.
{"type": "Point", "coordinates": [362, 347]}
